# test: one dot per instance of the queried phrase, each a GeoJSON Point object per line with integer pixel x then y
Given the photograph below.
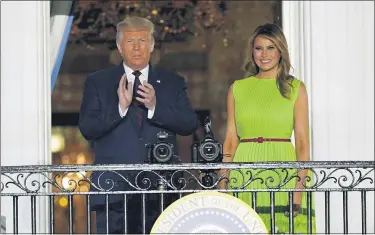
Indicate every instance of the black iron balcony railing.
{"type": "Point", "coordinates": [90, 181]}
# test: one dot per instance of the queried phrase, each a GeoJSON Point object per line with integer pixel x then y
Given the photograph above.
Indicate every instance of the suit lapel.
{"type": "Point", "coordinates": [153, 77]}
{"type": "Point", "coordinates": [119, 71]}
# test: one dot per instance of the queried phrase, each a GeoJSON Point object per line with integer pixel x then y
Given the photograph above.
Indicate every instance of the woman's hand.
{"type": "Point", "coordinates": [296, 209]}
{"type": "Point", "coordinates": [297, 196]}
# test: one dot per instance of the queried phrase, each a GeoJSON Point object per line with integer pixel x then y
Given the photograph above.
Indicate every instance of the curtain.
{"type": "Point", "coordinates": [61, 23]}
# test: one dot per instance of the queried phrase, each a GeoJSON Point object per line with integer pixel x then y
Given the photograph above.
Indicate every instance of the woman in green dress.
{"type": "Point", "coordinates": [263, 110]}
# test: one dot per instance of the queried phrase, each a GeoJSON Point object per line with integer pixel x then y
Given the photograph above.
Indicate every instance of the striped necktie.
{"type": "Point", "coordinates": [138, 106]}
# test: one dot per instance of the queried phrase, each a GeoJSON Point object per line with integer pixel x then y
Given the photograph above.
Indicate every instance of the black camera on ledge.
{"type": "Point", "coordinates": [209, 150]}
{"type": "Point", "coordinates": [162, 151]}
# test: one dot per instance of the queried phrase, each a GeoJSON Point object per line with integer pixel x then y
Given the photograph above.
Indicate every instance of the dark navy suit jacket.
{"type": "Point", "coordinates": [115, 139]}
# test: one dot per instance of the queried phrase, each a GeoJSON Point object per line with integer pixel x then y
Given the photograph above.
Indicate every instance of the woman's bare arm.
{"type": "Point", "coordinates": [301, 134]}
{"type": "Point", "coordinates": [231, 138]}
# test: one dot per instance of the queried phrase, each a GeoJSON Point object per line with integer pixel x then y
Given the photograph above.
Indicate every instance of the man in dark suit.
{"type": "Point", "coordinates": [121, 119]}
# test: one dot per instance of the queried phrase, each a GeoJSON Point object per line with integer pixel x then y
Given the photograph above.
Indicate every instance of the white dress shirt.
{"type": "Point", "coordinates": [143, 77]}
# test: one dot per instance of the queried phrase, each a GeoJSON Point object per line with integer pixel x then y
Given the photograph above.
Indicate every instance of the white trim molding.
{"type": "Point", "coordinates": [44, 100]}
{"type": "Point", "coordinates": [25, 100]}
{"type": "Point", "coordinates": [296, 23]}
{"type": "Point", "coordinates": [331, 45]}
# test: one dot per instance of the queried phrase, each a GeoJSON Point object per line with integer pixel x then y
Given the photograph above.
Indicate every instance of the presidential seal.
{"type": "Point", "coordinates": [209, 212]}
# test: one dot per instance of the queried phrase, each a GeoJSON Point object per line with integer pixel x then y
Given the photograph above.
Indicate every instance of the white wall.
{"type": "Point", "coordinates": [25, 96]}
{"type": "Point", "coordinates": [332, 50]}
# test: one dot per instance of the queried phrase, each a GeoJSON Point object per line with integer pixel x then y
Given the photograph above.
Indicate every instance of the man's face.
{"type": "Point", "coordinates": [135, 48]}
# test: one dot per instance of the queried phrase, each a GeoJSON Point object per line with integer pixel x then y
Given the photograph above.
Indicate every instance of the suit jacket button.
{"type": "Point", "coordinates": [141, 138]}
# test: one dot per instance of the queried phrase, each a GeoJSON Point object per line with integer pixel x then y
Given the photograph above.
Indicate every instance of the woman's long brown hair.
{"type": "Point", "coordinates": [274, 33]}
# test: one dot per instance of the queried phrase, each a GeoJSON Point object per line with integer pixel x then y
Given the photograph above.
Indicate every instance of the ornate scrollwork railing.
{"type": "Point", "coordinates": [144, 178]}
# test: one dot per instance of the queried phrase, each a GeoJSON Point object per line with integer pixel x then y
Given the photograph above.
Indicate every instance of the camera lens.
{"type": "Point", "coordinates": [209, 151]}
{"type": "Point", "coordinates": [207, 180]}
{"type": "Point", "coordinates": [162, 152]}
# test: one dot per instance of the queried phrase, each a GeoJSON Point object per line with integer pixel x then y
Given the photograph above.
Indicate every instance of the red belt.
{"type": "Point", "coordinates": [261, 140]}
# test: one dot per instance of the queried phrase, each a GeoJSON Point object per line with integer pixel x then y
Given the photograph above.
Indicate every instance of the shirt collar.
{"type": "Point", "coordinates": [131, 77]}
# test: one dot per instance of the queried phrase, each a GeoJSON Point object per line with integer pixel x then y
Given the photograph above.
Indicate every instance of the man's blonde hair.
{"type": "Point", "coordinates": [135, 23]}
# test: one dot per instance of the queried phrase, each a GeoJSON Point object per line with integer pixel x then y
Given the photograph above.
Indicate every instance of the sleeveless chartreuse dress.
{"type": "Point", "coordinates": [261, 111]}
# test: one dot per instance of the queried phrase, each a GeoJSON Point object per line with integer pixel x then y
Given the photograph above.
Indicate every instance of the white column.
{"type": "Point", "coordinates": [25, 98]}
{"type": "Point", "coordinates": [296, 27]}
{"type": "Point", "coordinates": [332, 50]}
